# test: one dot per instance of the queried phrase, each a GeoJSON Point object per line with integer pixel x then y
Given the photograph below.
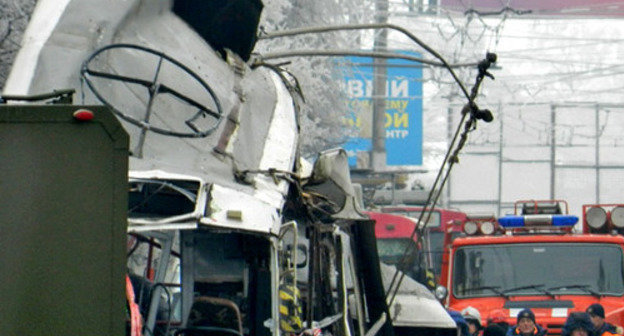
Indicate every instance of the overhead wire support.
{"type": "Point", "coordinates": [343, 52]}
{"type": "Point", "coordinates": [472, 110]}
{"type": "Point", "coordinates": [362, 26]}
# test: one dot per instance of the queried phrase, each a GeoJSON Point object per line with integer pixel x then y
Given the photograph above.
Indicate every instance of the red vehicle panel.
{"type": "Point", "coordinates": [439, 221]}
{"type": "Point", "coordinates": [542, 265]}
{"type": "Point", "coordinates": [394, 239]}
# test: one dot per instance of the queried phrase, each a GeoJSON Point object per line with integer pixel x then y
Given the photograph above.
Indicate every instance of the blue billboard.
{"type": "Point", "coordinates": [403, 112]}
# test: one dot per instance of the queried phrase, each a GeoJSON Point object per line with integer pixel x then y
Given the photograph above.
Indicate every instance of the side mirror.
{"type": "Point", "coordinates": [331, 178]}
{"type": "Point", "coordinates": [441, 293]}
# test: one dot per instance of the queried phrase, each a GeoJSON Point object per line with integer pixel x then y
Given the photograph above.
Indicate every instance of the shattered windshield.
{"type": "Point", "coordinates": [161, 198]}
{"type": "Point", "coordinates": [533, 269]}
{"type": "Point", "coordinates": [392, 249]}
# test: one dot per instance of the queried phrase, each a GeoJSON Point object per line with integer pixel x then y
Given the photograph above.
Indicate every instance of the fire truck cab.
{"type": "Point", "coordinates": [396, 237]}
{"type": "Point", "coordinates": [534, 259]}
{"type": "Point", "coordinates": [437, 222]}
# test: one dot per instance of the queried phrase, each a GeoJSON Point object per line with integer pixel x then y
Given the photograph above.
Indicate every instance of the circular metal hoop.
{"type": "Point", "coordinates": [155, 88]}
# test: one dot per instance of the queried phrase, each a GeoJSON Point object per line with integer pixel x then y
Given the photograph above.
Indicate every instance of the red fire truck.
{"type": "Point", "coordinates": [534, 259]}
{"type": "Point", "coordinates": [439, 222]}
{"type": "Point", "coordinates": [394, 239]}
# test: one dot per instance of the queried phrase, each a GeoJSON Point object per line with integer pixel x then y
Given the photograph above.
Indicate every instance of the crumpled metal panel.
{"type": "Point", "coordinates": [62, 35]}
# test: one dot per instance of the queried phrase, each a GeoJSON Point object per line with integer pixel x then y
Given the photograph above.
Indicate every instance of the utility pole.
{"type": "Point", "coordinates": [553, 148]}
{"type": "Point", "coordinates": [378, 156]}
{"type": "Point", "coordinates": [449, 136]}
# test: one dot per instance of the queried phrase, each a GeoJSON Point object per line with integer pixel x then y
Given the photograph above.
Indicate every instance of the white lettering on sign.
{"type": "Point", "coordinates": [397, 134]}
{"type": "Point", "coordinates": [355, 88]}
{"type": "Point", "coordinates": [396, 88]}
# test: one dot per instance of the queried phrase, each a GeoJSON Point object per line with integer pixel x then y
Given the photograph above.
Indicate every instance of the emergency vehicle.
{"type": "Point", "coordinates": [395, 239]}
{"type": "Point", "coordinates": [440, 221]}
{"type": "Point", "coordinates": [534, 259]}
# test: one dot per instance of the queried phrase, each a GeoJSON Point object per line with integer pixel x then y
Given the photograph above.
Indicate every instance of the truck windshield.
{"type": "Point", "coordinates": [391, 252]}
{"type": "Point", "coordinates": [529, 269]}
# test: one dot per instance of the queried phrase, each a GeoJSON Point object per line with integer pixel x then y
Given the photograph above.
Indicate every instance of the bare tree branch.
{"type": "Point", "coordinates": [15, 15]}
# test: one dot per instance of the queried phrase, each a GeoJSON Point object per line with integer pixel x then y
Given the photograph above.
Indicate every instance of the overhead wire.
{"type": "Point", "coordinates": [603, 68]}
{"type": "Point", "coordinates": [603, 9]}
{"type": "Point", "coordinates": [324, 29]}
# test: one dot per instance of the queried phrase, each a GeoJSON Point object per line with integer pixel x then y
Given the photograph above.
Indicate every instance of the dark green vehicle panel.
{"type": "Point", "coordinates": [63, 203]}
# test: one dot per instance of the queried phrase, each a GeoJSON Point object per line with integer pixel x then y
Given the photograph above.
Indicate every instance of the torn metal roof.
{"type": "Point", "coordinates": [188, 111]}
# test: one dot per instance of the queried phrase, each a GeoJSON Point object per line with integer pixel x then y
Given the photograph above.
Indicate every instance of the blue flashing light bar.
{"type": "Point", "coordinates": [510, 221]}
{"type": "Point", "coordinates": [513, 221]}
